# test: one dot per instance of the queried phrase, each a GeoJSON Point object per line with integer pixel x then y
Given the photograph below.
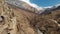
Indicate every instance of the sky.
{"type": "Point", "coordinates": [45, 3]}
{"type": "Point", "coordinates": [40, 4]}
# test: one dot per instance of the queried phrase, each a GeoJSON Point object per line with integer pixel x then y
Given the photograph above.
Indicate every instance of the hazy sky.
{"type": "Point", "coordinates": [45, 3]}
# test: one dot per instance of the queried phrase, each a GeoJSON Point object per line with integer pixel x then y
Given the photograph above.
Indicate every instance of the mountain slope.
{"type": "Point", "coordinates": [17, 17]}
{"type": "Point", "coordinates": [22, 5]}
{"type": "Point", "coordinates": [15, 20]}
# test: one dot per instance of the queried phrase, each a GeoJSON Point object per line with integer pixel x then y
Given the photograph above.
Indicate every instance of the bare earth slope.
{"type": "Point", "coordinates": [15, 20]}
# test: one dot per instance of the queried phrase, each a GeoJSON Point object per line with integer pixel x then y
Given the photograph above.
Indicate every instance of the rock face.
{"type": "Point", "coordinates": [15, 20]}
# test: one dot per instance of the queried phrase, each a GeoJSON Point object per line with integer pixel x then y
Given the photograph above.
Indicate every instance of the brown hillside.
{"type": "Point", "coordinates": [14, 20]}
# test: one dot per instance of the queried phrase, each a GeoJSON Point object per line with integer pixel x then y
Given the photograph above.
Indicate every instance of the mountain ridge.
{"type": "Point", "coordinates": [26, 6]}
